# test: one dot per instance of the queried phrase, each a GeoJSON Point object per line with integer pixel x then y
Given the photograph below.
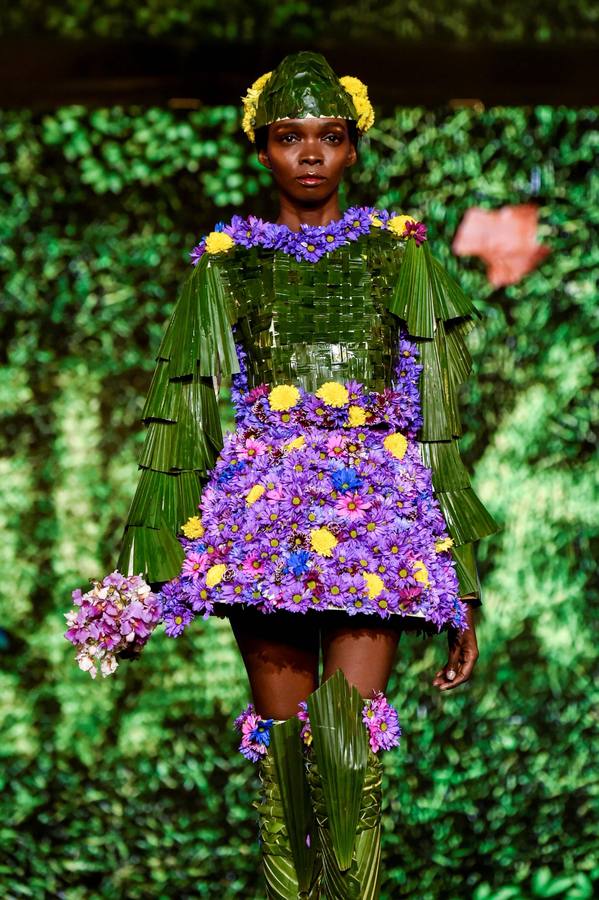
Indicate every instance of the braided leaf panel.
{"type": "Point", "coordinates": [287, 752]}
{"type": "Point", "coordinates": [341, 753]}
{"type": "Point", "coordinates": [277, 856]}
{"type": "Point", "coordinates": [361, 880]}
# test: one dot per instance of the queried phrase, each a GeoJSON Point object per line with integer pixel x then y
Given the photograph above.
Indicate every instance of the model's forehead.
{"type": "Point", "coordinates": [331, 120]}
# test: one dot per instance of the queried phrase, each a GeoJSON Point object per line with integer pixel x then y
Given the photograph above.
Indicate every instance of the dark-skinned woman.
{"type": "Point", "coordinates": [338, 513]}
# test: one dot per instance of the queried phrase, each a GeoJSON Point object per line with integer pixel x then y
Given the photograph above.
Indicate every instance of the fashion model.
{"type": "Point", "coordinates": [338, 513]}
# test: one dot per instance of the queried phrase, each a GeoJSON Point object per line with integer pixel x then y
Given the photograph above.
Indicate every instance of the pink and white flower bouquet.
{"type": "Point", "coordinates": [117, 615]}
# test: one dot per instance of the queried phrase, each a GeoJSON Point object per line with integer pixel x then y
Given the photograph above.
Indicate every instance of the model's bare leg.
{"type": "Point", "coordinates": [280, 653]}
{"type": "Point", "coordinates": [362, 647]}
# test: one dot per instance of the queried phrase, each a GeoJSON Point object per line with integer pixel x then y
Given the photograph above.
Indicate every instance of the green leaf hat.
{"type": "Point", "coordinates": [302, 85]}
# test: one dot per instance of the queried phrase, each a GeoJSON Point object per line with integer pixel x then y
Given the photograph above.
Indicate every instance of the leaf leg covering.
{"type": "Point", "coordinates": [345, 784]}
{"type": "Point", "coordinates": [291, 868]}
{"type": "Point", "coordinates": [184, 436]}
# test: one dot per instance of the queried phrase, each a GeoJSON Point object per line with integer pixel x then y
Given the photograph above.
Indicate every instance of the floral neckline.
{"type": "Point", "coordinates": [311, 242]}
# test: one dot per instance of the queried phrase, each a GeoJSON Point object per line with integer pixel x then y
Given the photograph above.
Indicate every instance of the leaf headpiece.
{"type": "Point", "coordinates": [302, 85]}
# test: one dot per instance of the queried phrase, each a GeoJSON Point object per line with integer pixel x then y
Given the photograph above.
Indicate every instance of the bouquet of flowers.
{"type": "Point", "coordinates": [116, 617]}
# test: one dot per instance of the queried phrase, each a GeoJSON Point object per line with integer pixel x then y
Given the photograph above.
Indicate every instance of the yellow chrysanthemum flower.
{"type": "Point", "coordinates": [359, 94]}
{"type": "Point", "coordinates": [374, 583]}
{"type": "Point", "coordinates": [283, 396]}
{"type": "Point", "coordinates": [323, 541]}
{"type": "Point", "coordinates": [357, 416]}
{"type": "Point", "coordinates": [396, 444]}
{"type": "Point", "coordinates": [254, 494]}
{"type": "Point", "coordinates": [421, 572]}
{"type": "Point", "coordinates": [397, 224]}
{"type": "Point", "coordinates": [445, 544]}
{"type": "Point", "coordinates": [333, 394]}
{"type": "Point", "coordinates": [250, 103]}
{"type": "Point", "coordinates": [218, 242]}
{"type": "Point", "coordinates": [215, 574]}
{"type": "Point", "coordinates": [376, 220]}
{"type": "Point", "coordinates": [296, 444]}
{"type": "Point", "coordinates": [193, 528]}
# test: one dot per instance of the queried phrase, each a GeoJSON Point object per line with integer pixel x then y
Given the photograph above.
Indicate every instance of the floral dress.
{"type": "Point", "coordinates": [341, 486]}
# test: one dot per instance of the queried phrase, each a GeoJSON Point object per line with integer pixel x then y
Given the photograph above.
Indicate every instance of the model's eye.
{"type": "Point", "coordinates": [335, 138]}
{"type": "Point", "coordinates": [289, 135]}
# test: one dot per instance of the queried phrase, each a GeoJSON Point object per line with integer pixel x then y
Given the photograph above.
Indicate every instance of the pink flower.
{"type": "Point", "coordinates": [352, 506]}
{"type": "Point", "coordinates": [253, 565]}
{"type": "Point", "coordinates": [336, 444]}
{"type": "Point", "coordinates": [195, 565]}
{"type": "Point", "coordinates": [250, 449]}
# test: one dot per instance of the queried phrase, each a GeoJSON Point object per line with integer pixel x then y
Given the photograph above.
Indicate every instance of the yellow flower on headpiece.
{"type": "Point", "coordinates": [396, 444]}
{"type": "Point", "coordinates": [250, 103]}
{"type": "Point", "coordinates": [218, 242]}
{"type": "Point", "coordinates": [283, 396]}
{"type": "Point", "coordinates": [193, 528]}
{"type": "Point", "coordinates": [397, 224]}
{"type": "Point", "coordinates": [333, 393]}
{"type": "Point", "coordinates": [359, 94]}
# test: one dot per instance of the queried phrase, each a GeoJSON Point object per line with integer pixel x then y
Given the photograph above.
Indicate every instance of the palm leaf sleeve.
{"type": "Point", "coordinates": [439, 315]}
{"type": "Point", "coordinates": [184, 436]}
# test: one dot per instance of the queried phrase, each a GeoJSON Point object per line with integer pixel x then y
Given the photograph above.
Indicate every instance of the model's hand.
{"type": "Point", "coordinates": [463, 653]}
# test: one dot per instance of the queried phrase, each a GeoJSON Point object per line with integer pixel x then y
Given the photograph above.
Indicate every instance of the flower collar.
{"type": "Point", "coordinates": [311, 242]}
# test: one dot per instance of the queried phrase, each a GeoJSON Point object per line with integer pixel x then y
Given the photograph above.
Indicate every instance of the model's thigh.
{"type": "Point", "coordinates": [280, 653]}
{"type": "Point", "coordinates": [363, 648]}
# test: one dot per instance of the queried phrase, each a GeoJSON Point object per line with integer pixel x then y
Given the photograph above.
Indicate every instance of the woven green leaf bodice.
{"type": "Point", "coordinates": [310, 323]}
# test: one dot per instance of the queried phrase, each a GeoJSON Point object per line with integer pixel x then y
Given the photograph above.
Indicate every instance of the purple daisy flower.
{"type": "Point", "coordinates": [197, 252]}
{"type": "Point", "coordinates": [356, 222]}
{"type": "Point", "coordinates": [382, 723]}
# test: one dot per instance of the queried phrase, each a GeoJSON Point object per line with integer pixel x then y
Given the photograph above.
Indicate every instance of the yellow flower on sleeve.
{"type": "Point", "coordinates": [193, 528]}
{"type": "Point", "coordinates": [218, 242]}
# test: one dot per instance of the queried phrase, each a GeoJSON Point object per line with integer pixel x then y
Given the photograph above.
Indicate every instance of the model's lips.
{"type": "Point", "coordinates": [310, 179]}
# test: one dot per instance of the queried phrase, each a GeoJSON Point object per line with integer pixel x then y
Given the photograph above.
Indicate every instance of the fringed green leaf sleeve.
{"type": "Point", "coordinates": [184, 434]}
{"type": "Point", "coordinates": [439, 315]}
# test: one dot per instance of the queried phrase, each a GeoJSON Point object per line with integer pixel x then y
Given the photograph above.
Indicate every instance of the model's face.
{"type": "Point", "coordinates": [308, 157]}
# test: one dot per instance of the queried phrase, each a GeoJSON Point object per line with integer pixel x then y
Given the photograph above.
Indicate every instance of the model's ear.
{"type": "Point", "coordinates": [263, 158]}
{"type": "Point", "coordinates": [352, 156]}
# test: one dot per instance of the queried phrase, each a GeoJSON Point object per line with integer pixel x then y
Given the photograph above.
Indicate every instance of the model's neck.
{"type": "Point", "coordinates": [292, 215]}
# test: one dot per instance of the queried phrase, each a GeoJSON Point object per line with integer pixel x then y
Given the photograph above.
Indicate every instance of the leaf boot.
{"type": "Point", "coordinates": [290, 858]}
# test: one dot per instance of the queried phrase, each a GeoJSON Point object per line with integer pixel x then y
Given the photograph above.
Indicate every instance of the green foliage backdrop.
{"type": "Point", "coordinates": [131, 787]}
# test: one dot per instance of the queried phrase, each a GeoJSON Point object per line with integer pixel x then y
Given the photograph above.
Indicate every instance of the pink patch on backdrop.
{"type": "Point", "coordinates": [505, 239]}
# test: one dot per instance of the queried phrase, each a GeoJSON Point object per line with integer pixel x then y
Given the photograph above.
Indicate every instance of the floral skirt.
{"type": "Point", "coordinates": [327, 516]}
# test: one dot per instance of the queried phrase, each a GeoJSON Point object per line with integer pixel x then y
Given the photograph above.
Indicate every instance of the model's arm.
{"type": "Point", "coordinates": [439, 316]}
{"type": "Point", "coordinates": [184, 434]}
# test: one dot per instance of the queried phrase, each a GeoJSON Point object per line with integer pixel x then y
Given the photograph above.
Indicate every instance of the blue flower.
{"type": "Point", "coordinates": [261, 733]}
{"type": "Point", "coordinates": [346, 480]}
{"type": "Point", "coordinates": [298, 562]}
